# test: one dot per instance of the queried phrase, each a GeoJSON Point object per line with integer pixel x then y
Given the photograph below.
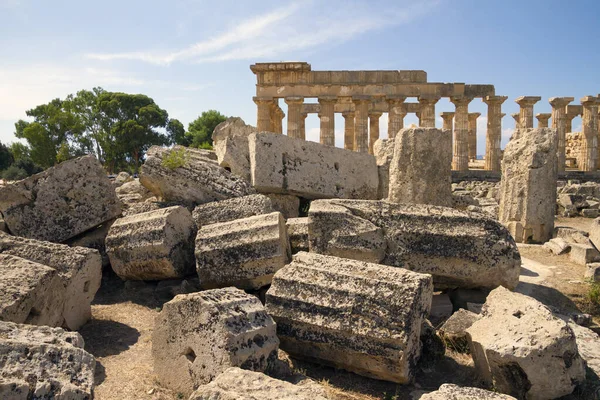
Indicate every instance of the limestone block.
{"type": "Point", "coordinates": [286, 204]}
{"type": "Point", "coordinates": [588, 345]}
{"type": "Point", "coordinates": [121, 178]}
{"type": "Point", "coordinates": [133, 190]}
{"type": "Point", "coordinates": [592, 273]}
{"type": "Point", "coordinates": [199, 180]}
{"type": "Point", "coordinates": [441, 308]}
{"type": "Point", "coordinates": [61, 202]}
{"type": "Point", "coordinates": [280, 164]}
{"type": "Point", "coordinates": [595, 232]}
{"type": "Point", "coordinates": [239, 384]}
{"type": "Point", "coordinates": [383, 150]}
{"type": "Point", "coordinates": [230, 141]}
{"type": "Point", "coordinates": [244, 253]}
{"type": "Point", "coordinates": [362, 317]}
{"type": "Point", "coordinates": [153, 246]}
{"type": "Point", "coordinates": [420, 170]}
{"type": "Point", "coordinates": [582, 254]}
{"type": "Point", "coordinates": [571, 235]}
{"type": "Point", "coordinates": [557, 246]}
{"type": "Point", "coordinates": [574, 200]}
{"type": "Point", "coordinates": [94, 239]}
{"type": "Point", "coordinates": [459, 249]}
{"type": "Point", "coordinates": [79, 270]}
{"type": "Point", "coordinates": [520, 347]}
{"type": "Point", "coordinates": [30, 293]}
{"type": "Point", "coordinates": [197, 336]}
{"type": "Point", "coordinates": [589, 213]}
{"type": "Point", "coordinates": [449, 391]}
{"type": "Point", "coordinates": [232, 209]}
{"type": "Point", "coordinates": [454, 330]}
{"type": "Point", "coordinates": [297, 230]}
{"type": "Point", "coordinates": [528, 185]}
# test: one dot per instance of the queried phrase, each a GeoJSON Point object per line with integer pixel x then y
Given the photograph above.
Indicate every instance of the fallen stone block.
{"type": "Point", "coordinates": [523, 350]}
{"type": "Point", "coordinates": [592, 272]}
{"type": "Point", "coordinates": [280, 164]}
{"type": "Point", "coordinates": [30, 293]}
{"type": "Point", "coordinates": [197, 336]}
{"type": "Point", "coordinates": [230, 141]}
{"type": "Point", "coordinates": [297, 230]}
{"type": "Point", "coordinates": [79, 270]}
{"type": "Point", "coordinates": [61, 202]}
{"type": "Point", "coordinates": [441, 308]}
{"type": "Point", "coordinates": [94, 239]}
{"type": "Point", "coordinates": [583, 254]}
{"type": "Point", "coordinates": [244, 253]}
{"type": "Point", "coordinates": [232, 209]}
{"type": "Point", "coordinates": [459, 249]}
{"type": "Point", "coordinates": [571, 235]}
{"type": "Point", "coordinates": [589, 213]}
{"type": "Point", "coordinates": [450, 391]}
{"type": "Point", "coordinates": [362, 317]}
{"type": "Point", "coordinates": [239, 384]}
{"type": "Point", "coordinates": [286, 204]}
{"type": "Point", "coordinates": [153, 246]}
{"type": "Point", "coordinates": [588, 345]}
{"type": "Point", "coordinates": [573, 200]}
{"type": "Point", "coordinates": [595, 232]}
{"type": "Point", "coordinates": [454, 330]}
{"type": "Point", "coordinates": [39, 362]}
{"type": "Point", "coordinates": [557, 246]}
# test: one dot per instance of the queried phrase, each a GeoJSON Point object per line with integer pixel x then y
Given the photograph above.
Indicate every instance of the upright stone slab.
{"type": "Point", "coordinates": [528, 186]}
{"type": "Point", "coordinates": [458, 248]}
{"type": "Point", "coordinates": [197, 336]}
{"type": "Point", "coordinates": [61, 202]}
{"type": "Point", "coordinates": [420, 170]}
{"type": "Point", "coordinates": [525, 351]}
{"type": "Point", "coordinates": [198, 180]}
{"type": "Point", "coordinates": [39, 362]}
{"type": "Point", "coordinates": [231, 209]}
{"type": "Point", "coordinates": [362, 317]}
{"type": "Point", "coordinates": [30, 293]}
{"type": "Point", "coordinates": [280, 164]}
{"type": "Point", "coordinates": [79, 269]}
{"type": "Point", "coordinates": [383, 150]}
{"type": "Point", "coordinates": [153, 245]}
{"type": "Point", "coordinates": [244, 253]}
{"type": "Point", "coordinates": [230, 141]}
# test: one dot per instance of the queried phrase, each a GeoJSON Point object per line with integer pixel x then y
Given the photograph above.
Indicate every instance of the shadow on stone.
{"type": "Point", "coordinates": [100, 374]}
{"type": "Point", "coordinates": [527, 272]}
{"type": "Point", "coordinates": [548, 296]}
{"type": "Point", "coordinates": [108, 338]}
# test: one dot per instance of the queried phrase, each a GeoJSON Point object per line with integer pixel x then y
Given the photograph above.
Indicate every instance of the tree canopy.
{"type": "Point", "coordinates": [201, 129]}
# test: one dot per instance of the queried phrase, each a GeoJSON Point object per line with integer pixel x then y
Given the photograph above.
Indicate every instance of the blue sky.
{"type": "Point", "coordinates": [194, 55]}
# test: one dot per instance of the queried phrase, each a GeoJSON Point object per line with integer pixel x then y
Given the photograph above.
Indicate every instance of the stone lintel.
{"type": "Point", "coordinates": [280, 66]}
{"type": "Point", "coordinates": [261, 99]}
{"type": "Point", "coordinates": [574, 110]}
{"type": "Point", "coordinates": [589, 100]}
{"type": "Point", "coordinates": [560, 101]}
{"type": "Point", "coordinates": [381, 106]}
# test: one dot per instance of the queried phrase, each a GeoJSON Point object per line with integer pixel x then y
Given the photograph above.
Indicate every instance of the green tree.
{"type": "Point", "coordinates": [27, 165]}
{"type": "Point", "coordinates": [19, 150]}
{"type": "Point", "coordinates": [6, 157]}
{"type": "Point", "coordinates": [84, 104]}
{"type": "Point", "coordinates": [201, 129]}
{"type": "Point", "coordinates": [176, 132]}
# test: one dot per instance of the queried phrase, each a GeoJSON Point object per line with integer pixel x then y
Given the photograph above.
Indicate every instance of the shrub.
{"type": "Point", "coordinates": [175, 158]}
{"type": "Point", "coordinates": [14, 173]}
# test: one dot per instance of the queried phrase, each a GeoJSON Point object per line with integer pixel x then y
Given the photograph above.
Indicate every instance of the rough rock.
{"type": "Point", "coordinates": [362, 317]}
{"type": "Point", "coordinates": [583, 254]}
{"type": "Point", "coordinates": [230, 141]}
{"type": "Point", "coordinates": [286, 204]}
{"type": "Point", "coordinates": [139, 208]}
{"type": "Point", "coordinates": [571, 235]}
{"type": "Point", "coordinates": [280, 164]}
{"type": "Point", "coordinates": [30, 293]}
{"type": "Point", "coordinates": [450, 391]}
{"type": "Point", "coordinates": [589, 213]}
{"type": "Point", "coordinates": [557, 246]}
{"type": "Point", "coordinates": [244, 253]}
{"type": "Point", "coordinates": [154, 245]}
{"type": "Point", "coordinates": [592, 272]}
{"type": "Point", "coordinates": [79, 269]}
{"type": "Point", "coordinates": [297, 230]}
{"type": "Point", "coordinates": [595, 232]}
{"type": "Point", "coordinates": [520, 347]}
{"type": "Point", "coordinates": [39, 362]}
{"type": "Point", "coordinates": [528, 185]}
{"type": "Point", "coordinates": [3, 227]}
{"type": "Point", "coordinates": [132, 192]}
{"type": "Point", "coordinates": [199, 335]}
{"type": "Point", "coordinates": [199, 180]}
{"type": "Point", "coordinates": [121, 178]}
{"type": "Point", "coordinates": [420, 170]}
{"type": "Point", "coordinates": [61, 202]}
{"type": "Point", "coordinates": [459, 249]}
{"type": "Point", "coordinates": [239, 384]}
{"type": "Point", "coordinates": [588, 345]}
{"type": "Point", "coordinates": [383, 150]}
{"type": "Point", "coordinates": [232, 209]}
{"type": "Point", "coordinates": [454, 330]}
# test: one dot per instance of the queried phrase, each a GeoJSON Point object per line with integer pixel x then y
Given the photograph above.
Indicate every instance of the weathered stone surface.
{"type": "Point", "coordinates": [121, 178]}
{"type": "Point", "coordinates": [286, 204]}
{"type": "Point", "coordinates": [571, 235]}
{"type": "Point", "coordinates": [244, 253]}
{"type": "Point", "coordinates": [39, 362]}
{"type": "Point", "coordinates": [230, 141]}
{"type": "Point", "coordinates": [232, 209]}
{"type": "Point", "coordinates": [199, 335]}
{"type": "Point", "coordinates": [441, 308]}
{"type": "Point", "coordinates": [79, 269]}
{"type": "Point", "coordinates": [134, 190]}
{"type": "Point", "coordinates": [154, 245]}
{"type": "Point", "coordinates": [297, 230]}
{"type": "Point", "coordinates": [528, 186]}
{"type": "Point", "coordinates": [557, 246]}
{"type": "Point", "coordinates": [450, 391]}
{"type": "Point", "coordinates": [383, 150]}
{"type": "Point", "coordinates": [94, 239]}
{"type": "Point", "coordinates": [583, 254]}
{"type": "Point", "coordinates": [595, 232]}
{"type": "Point", "coordinates": [145, 206]}
{"type": "Point", "coordinates": [454, 329]}
{"type": "Point", "coordinates": [200, 180]}
{"type": "Point", "coordinates": [362, 317]}
{"type": "Point", "coordinates": [592, 272]}
{"type": "Point", "coordinates": [459, 249]}
{"type": "Point", "coordinates": [589, 213]}
{"type": "Point", "coordinates": [3, 227]}
{"type": "Point", "coordinates": [420, 170]}
{"type": "Point", "coordinates": [61, 202]}
{"type": "Point", "coordinates": [520, 347]}
{"type": "Point", "coordinates": [588, 345]}
{"type": "Point", "coordinates": [280, 164]}
{"type": "Point", "coordinates": [239, 384]}
{"type": "Point", "coordinates": [30, 293]}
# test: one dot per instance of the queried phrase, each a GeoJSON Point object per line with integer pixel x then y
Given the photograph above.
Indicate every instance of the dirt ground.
{"type": "Point", "coordinates": [119, 336]}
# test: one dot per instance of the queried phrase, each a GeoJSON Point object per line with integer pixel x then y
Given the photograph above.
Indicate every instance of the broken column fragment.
{"type": "Point", "coordinates": [230, 141]}
{"type": "Point", "coordinates": [231, 209]}
{"type": "Point", "coordinates": [362, 317]}
{"type": "Point", "coordinates": [153, 245]}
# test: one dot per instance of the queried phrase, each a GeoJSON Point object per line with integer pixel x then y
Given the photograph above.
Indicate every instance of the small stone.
{"type": "Point", "coordinates": [454, 330]}
{"type": "Point", "coordinates": [583, 254]}
{"type": "Point", "coordinates": [589, 213]}
{"type": "Point", "coordinates": [557, 246]}
{"type": "Point", "coordinates": [450, 391]}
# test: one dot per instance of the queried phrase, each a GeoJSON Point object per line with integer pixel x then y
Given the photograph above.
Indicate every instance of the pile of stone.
{"type": "Point", "coordinates": [477, 196]}
{"type": "Point", "coordinates": [576, 199]}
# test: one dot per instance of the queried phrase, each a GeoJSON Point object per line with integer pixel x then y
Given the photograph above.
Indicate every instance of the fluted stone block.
{"type": "Point", "coordinates": [197, 336]}
{"type": "Point", "coordinates": [230, 141]}
{"type": "Point", "coordinates": [297, 230]}
{"type": "Point", "coordinates": [232, 209]}
{"type": "Point", "coordinates": [153, 245]}
{"type": "Point", "coordinates": [244, 253]}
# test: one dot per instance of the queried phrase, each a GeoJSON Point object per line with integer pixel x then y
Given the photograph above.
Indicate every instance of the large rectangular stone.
{"type": "Point", "coordinates": [280, 164]}
{"type": "Point", "coordinates": [231, 209]}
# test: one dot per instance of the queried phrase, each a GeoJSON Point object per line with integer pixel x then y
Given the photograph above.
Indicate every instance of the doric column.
{"type": "Point", "coordinates": [526, 114]}
{"type": "Point", "coordinates": [460, 159]}
{"type": "Point", "coordinates": [373, 129]}
{"type": "Point", "coordinates": [277, 116]}
{"type": "Point", "coordinates": [493, 137]}
{"type": "Point", "coordinates": [327, 117]}
{"type": "Point", "coordinates": [263, 115]}
{"type": "Point", "coordinates": [517, 118]}
{"type": "Point", "coordinates": [473, 135]}
{"type": "Point", "coordinates": [448, 118]}
{"type": "Point", "coordinates": [302, 133]}
{"type": "Point", "coordinates": [294, 124]}
{"type": "Point", "coordinates": [427, 110]}
{"type": "Point", "coordinates": [348, 130]}
{"type": "Point", "coordinates": [559, 122]}
{"type": "Point", "coordinates": [361, 129]}
{"type": "Point", "coordinates": [396, 114]}
{"type": "Point", "coordinates": [543, 119]}
{"type": "Point", "coordinates": [589, 151]}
